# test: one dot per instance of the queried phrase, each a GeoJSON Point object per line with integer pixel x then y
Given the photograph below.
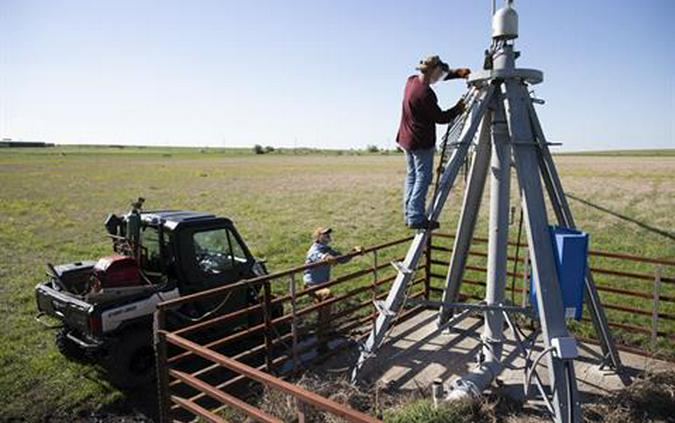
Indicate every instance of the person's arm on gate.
{"type": "Point", "coordinates": [334, 254]}
{"type": "Point", "coordinates": [357, 249]}
{"type": "Point", "coordinates": [327, 254]}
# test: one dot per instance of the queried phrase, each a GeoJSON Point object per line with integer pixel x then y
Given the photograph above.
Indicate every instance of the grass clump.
{"type": "Point", "coordinates": [392, 406]}
{"type": "Point", "coordinates": [337, 389]}
{"type": "Point", "coordinates": [424, 411]}
{"type": "Point", "coordinates": [649, 399]}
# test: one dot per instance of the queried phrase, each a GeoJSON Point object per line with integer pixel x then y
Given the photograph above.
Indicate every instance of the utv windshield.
{"type": "Point", "coordinates": [217, 251]}
{"type": "Point", "coordinates": [151, 258]}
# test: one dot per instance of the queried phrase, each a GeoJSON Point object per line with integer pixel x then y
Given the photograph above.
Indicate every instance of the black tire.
{"type": "Point", "coordinates": [68, 348]}
{"type": "Point", "coordinates": [130, 362]}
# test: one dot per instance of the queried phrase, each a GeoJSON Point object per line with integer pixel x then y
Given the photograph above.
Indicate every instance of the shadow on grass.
{"type": "Point", "coordinates": [135, 405]}
{"type": "Point", "coordinates": [641, 224]}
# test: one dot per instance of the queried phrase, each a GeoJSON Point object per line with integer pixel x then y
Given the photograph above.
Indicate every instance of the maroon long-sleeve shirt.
{"type": "Point", "coordinates": [420, 115]}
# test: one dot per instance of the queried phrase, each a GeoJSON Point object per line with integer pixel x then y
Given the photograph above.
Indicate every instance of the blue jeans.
{"type": "Point", "coordinates": [419, 171]}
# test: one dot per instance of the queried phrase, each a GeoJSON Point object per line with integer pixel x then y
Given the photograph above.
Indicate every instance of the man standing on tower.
{"type": "Point", "coordinates": [417, 134]}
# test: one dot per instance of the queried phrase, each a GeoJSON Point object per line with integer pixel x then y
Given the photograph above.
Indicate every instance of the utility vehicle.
{"type": "Point", "coordinates": [104, 307]}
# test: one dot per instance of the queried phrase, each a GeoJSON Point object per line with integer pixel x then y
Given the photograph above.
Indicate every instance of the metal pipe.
{"type": "Point", "coordinates": [467, 219]}
{"type": "Point", "coordinates": [549, 302]}
{"type": "Point", "coordinates": [498, 237]}
{"type": "Point", "coordinates": [161, 365]}
{"type": "Point", "coordinates": [273, 382]}
{"type": "Point", "coordinates": [472, 384]}
{"type": "Point", "coordinates": [201, 386]}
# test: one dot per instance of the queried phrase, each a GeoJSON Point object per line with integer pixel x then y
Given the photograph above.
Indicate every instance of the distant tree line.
{"type": "Point", "coordinates": [259, 149]}
{"type": "Point", "coordinates": [370, 149]}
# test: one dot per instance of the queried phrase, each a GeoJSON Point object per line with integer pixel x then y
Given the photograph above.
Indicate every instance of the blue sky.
{"type": "Point", "coordinates": [318, 73]}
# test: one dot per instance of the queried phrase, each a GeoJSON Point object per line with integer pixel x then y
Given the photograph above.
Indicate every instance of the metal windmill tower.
{"type": "Point", "coordinates": [501, 128]}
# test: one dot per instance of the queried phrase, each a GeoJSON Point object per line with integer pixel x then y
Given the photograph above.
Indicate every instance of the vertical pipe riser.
{"type": "Point", "coordinates": [498, 234]}
{"type": "Point", "coordinates": [481, 377]}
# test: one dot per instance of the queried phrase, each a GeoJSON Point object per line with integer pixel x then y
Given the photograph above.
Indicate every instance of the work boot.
{"type": "Point", "coordinates": [425, 224]}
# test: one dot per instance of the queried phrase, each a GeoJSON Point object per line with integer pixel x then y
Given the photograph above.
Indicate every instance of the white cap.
{"type": "Point", "coordinates": [505, 23]}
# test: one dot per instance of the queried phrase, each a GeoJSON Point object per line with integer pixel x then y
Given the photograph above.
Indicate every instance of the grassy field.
{"type": "Point", "coordinates": [53, 202]}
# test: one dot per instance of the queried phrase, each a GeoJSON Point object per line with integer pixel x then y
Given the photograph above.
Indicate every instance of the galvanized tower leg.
{"type": "Point", "coordinates": [549, 303]}
{"type": "Point", "coordinates": [396, 295]}
{"type": "Point", "coordinates": [565, 218]}
{"type": "Point", "coordinates": [467, 219]}
{"type": "Point", "coordinates": [450, 172]}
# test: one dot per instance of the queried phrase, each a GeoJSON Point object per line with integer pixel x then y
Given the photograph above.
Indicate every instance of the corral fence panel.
{"type": "Point", "coordinates": [218, 366]}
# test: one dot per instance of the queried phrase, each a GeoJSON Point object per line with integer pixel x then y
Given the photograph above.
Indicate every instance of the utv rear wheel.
{"type": "Point", "coordinates": [69, 348]}
{"type": "Point", "coordinates": [131, 362]}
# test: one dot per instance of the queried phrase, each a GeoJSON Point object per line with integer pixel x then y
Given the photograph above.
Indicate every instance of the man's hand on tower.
{"type": "Point", "coordinates": [460, 106]}
{"type": "Point", "coordinates": [463, 72]}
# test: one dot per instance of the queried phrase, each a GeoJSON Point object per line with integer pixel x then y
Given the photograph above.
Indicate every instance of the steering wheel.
{"type": "Point", "coordinates": [210, 262]}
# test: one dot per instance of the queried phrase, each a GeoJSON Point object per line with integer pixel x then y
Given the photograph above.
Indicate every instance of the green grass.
{"type": "Point", "coordinates": [654, 152]}
{"type": "Point", "coordinates": [423, 411]}
{"type": "Point", "coordinates": [53, 202]}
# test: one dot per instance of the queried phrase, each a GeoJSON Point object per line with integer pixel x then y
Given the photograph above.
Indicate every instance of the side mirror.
{"type": "Point", "coordinates": [112, 224]}
{"type": "Point", "coordinates": [259, 268]}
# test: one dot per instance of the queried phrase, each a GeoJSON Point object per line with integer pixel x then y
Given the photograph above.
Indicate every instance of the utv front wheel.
{"type": "Point", "coordinates": [69, 348]}
{"type": "Point", "coordinates": [131, 362]}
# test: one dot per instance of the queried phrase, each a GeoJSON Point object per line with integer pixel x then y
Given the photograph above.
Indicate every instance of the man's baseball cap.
{"type": "Point", "coordinates": [431, 62]}
{"type": "Point", "coordinates": [321, 231]}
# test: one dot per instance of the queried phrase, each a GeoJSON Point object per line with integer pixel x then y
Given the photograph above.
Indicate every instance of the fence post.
{"type": "Point", "coordinates": [373, 286]}
{"type": "Point", "coordinates": [267, 316]}
{"type": "Point", "coordinates": [427, 269]}
{"type": "Point", "coordinates": [294, 323]}
{"type": "Point", "coordinates": [655, 307]}
{"type": "Point", "coordinates": [161, 366]}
